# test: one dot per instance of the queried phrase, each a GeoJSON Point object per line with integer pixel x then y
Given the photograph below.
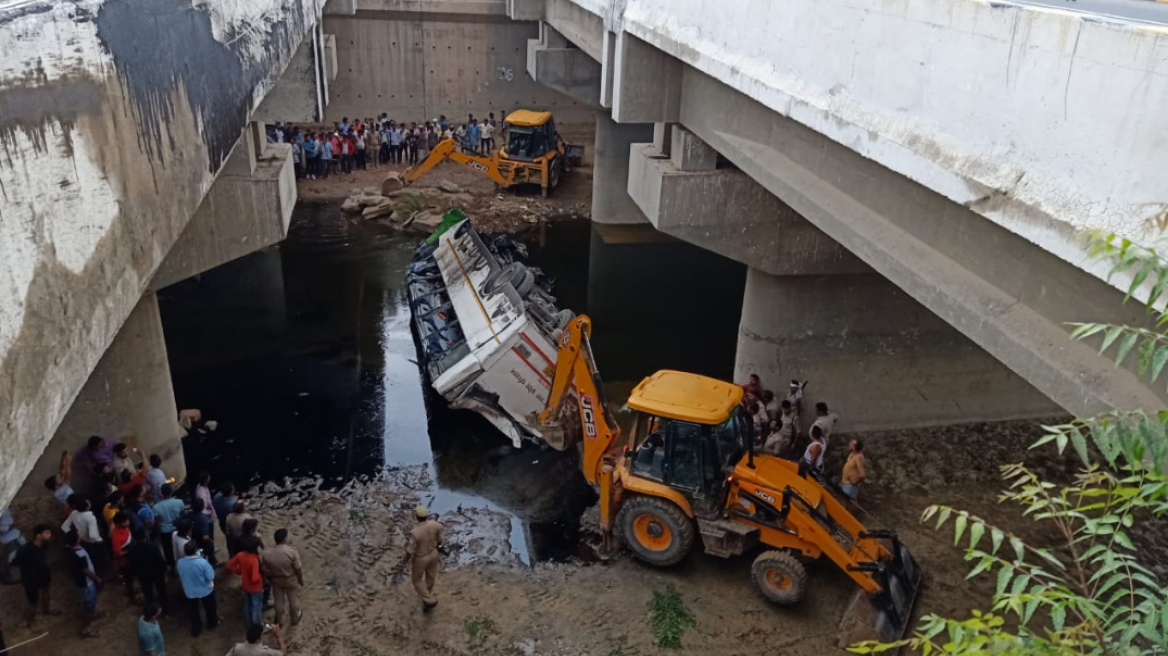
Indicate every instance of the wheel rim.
{"type": "Point", "coordinates": [652, 532]}
{"type": "Point", "coordinates": [779, 580]}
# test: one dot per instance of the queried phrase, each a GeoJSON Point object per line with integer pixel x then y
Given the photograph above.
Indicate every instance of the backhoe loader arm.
{"type": "Point", "coordinates": [448, 149]}
{"type": "Point", "coordinates": [576, 369]}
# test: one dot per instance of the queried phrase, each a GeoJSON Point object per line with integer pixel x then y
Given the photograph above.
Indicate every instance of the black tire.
{"type": "Point", "coordinates": [655, 530]}
{"type": "Point", "coordinates": [514, 273]}
{"type": "Point", "coordinates": [780, 577]}
{"type": "Point", "coordinates": [524, 286]}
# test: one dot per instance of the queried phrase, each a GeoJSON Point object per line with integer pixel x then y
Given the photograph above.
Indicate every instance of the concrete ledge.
{"type": "Point", "coordinates": [239, 215]}
{"type": "Point", "coordinates": [567, 70]}
{"type": "Point", "coordinates": [340, 7]}
{"type": "Point", "coordinates": [727, 212]}
{"type": "Point", "coordinates": [646, 83]}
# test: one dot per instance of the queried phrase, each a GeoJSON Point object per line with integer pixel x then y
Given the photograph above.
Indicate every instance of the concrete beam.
{"type": "Point", "coordinates": [340, 7]}
{"type": "Point", "coordinates": [646, 83]}
{"type": "Point", "coordinates": [525, 10]}
{"type": "Point", "coordinates": [726, 212]}
{"type": "Point", "coordinates": [1007, 294]}
{"type": "Point", "coordinates": [296, 97]}
{"type": "Point", "coordinates": [565, 69]}
{"type": "Point", "coordinates": [873, 354]}
{"type": "Point", "coordinates": [239, 215]}
{"type": "Point", "coordinates": [128, 398]}
{"type": "Point", "coordinates": [580, 26]}
{"type": "Point", "coordinates": [610, 170]}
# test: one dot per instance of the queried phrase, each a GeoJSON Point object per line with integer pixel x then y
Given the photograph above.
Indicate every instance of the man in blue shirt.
{"type": "Point", "coordinates": [167, 512]}
{"type": "Point", "coordinates": [472, 136]}
{"type": "Point", "coordinates": [345, 125]}
{"type": "Point", "coordinates": [150, 642]}
{"type": "Point", "coordinates": [155, 478]}
{"type": "Point", "coordinates": [198, 582]}
{"type": "Point", "coordinates": [202, 531]}
{"type": "Point", "coordinates": [224, 503]}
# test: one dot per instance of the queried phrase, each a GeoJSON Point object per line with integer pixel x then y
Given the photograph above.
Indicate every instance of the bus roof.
{"type": "Point", "coordinates": [528, 118]}
{"type": "Point", "coordinates": [684, 396]}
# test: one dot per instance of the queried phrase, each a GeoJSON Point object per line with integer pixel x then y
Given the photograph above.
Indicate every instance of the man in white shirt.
{"type": "Point", "coordinates": [487, 134]}
{"type": "Point", "coordinates": [84, 523]}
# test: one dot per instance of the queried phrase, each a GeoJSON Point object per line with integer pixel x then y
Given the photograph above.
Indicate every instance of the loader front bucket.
{"type": "Point", "coordinates": [884, 616]}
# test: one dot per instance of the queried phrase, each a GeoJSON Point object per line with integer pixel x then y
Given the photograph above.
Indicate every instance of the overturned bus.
{"type": "Point", "coordinates": [486, 325]}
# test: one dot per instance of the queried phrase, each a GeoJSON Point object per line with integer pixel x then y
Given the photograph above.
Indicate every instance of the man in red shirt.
{"type": "Point", "coordinates": [120, 537]}
{"type": "Point", "coordinates": [246, 563]}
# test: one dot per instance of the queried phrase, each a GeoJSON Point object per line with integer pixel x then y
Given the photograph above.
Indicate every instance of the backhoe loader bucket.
{"type": "Point", "coordinates": [575, 154]}
{"type": "Point", "coordinates": [393, 181]}
{"type": "Point", "coordinates": [884, 616]}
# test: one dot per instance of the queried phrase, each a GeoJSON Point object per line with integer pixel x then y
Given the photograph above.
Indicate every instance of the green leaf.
{"type": "Point", "coordinates": [1019, 548]}
{"type": "Point", "coordinates": [996, 536]}
{"type": "Point", "coordinates": [1080, 444]}
{"type": "Point", "coordinates": [1058, 617]}
{"type": "Point", "coordinates": [1113, 332]}
{"type": "Point", "coordinates": [976, 530]}
{"type": "Point", "coordinates": [943, 516]}
{"type": "Point", "coordinates": [1004, 575]}
{"type": "Point", "coordinates": [1147, 347]}
{"type": "Point", "coordinates": [1126, 346]}
{"type": "Point", "coordinates": [959, 527]}
{"type": "Point", "coordinates": [1139, 278]}
{"type": "Point", "coordinates": [1159, 359]}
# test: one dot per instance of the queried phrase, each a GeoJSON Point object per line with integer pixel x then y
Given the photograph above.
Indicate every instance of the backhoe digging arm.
{"type": "Point", "coordinates": [448, 149]}
{"type": "Point", "coordinates": [576, 370]}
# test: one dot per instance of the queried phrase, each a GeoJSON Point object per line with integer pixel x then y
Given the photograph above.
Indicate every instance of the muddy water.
{"type": "Point", "coordinates": [303, 354]}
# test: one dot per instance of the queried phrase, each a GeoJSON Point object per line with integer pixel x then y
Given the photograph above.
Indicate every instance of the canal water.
{"type": "Point", "coordinates": [303, 355]}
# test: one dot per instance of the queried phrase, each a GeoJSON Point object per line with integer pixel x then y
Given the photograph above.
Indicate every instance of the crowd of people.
{"type": "Point", "coordinates": [160, 548]}
{"type": "Point", "coordinates": [777, 431]}
{"type": "Point", "coordinates": [371, 143]}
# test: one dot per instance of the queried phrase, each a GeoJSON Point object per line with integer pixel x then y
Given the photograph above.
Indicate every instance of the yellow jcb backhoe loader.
{"type": "Point", "coordinates": [688, 468]}
{"type": "Point", "coordinates": [534, 154]}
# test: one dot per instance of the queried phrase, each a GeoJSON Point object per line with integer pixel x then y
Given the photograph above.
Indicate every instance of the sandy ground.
{"type": "Point", "coordinates": [352, 541]}
{"type": "Point", "coordinates": [515, 210]}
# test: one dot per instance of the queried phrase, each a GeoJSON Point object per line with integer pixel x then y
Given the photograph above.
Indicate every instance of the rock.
{"type": "Point", "coordinates": [351, 205]}
{"type": "Point", "coordinates": [377, 211]}
{"type": "Point", "coordinates": [449, 187]}
{"type": "Point", "coordinates": [396, 193]}
{"type": "Point", "coordinates": [371, 199]}
{"type": "Point", "coordinates": [427, 220]}
{"type": "Point", "coordinates": [371, 191]}
{"type": "Point", "coordinates": [392, 182]}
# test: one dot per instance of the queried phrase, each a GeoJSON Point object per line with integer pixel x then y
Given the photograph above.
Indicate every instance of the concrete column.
{"type": "Point", "coordinates": [646, 82]}
{"type": "Point", "coordinates": [875, 355]}
{"type": "Point", "coordinates": [128, 397]}
{"type": "Point", "coordinates": [689, 153]}
{"type": "Point", "coordinates": [610, 196]}
{"type": "Point", "coordinates": [663, 138]}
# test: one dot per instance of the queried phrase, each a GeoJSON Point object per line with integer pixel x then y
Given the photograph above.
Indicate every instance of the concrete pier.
{"type": "Point", "coordinates": [875, 355]}
{"type": "Point", "coordinates": [128, 398]}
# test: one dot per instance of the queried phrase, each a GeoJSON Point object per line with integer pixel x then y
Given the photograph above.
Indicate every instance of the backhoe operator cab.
{"type": "Point", "coordinates": [678, 447]}
{"type": "Point", "coordinates": [530, 135]}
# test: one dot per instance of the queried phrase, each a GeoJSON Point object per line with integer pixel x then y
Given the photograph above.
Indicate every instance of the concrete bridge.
{"type": "Point", "coordinates": [905, 180]}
